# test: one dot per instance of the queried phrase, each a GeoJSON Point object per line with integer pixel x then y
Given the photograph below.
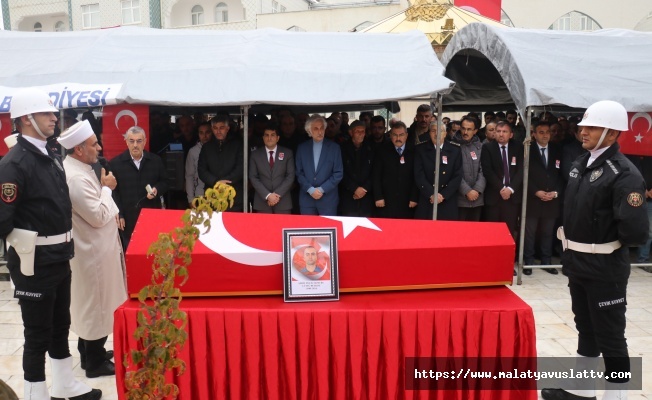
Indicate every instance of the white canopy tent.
{"type": "Point", "coordinates": [209, 68]}
{"type": "Point", "coordinates": [526, 68]}
{"type": "Point", "coordinates": [545, 67]}
{"type": "Point", "coordinates": [193, 68]}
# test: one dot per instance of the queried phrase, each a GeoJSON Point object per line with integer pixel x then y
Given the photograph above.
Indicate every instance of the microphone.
{"type": "Point", "coordinates": [104, 163]}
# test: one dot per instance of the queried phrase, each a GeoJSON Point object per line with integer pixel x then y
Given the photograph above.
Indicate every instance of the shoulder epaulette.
{"type": "Point", "coordinates": [613, 167]}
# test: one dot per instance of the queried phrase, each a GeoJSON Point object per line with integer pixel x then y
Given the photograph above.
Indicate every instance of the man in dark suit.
{"type": "Point", "coordinates": [450, 175]}
{"type": "Point", "coordinates": [134, 170]}
{"type": "Point", "coordinates": [394, 190]}
{"type": "Point", "coordinates": [357, 156]}
{"type": "Point", "coordinates": [319, 170]}
{"type": "Point", "coordinates": [221, 159]}
{"type": "Point", "coordinates": [543, 205]}
{"type": "Point", "coordinates": [502, 166]}
{"type": "Point", "coordinates": [271, 172]}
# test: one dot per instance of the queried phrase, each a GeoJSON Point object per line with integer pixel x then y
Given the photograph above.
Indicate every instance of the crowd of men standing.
{"type": "Point", "coordinates": [327, 166]}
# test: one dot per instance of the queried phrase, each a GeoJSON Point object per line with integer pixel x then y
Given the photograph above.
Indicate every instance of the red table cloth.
{"type": "Point", "coordinates": [355, 348]}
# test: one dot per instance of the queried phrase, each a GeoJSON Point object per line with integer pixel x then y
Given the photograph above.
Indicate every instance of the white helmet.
{"type": "Point", "coordinates": [606, 114]}
{"type": "Point", "coordinates": [29, 101]}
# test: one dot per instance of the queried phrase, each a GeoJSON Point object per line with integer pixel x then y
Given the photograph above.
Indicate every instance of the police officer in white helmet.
{"type": "Point", "coordinates": [604, 215]}
{"type": "Point", "coordinates": [36, 220]}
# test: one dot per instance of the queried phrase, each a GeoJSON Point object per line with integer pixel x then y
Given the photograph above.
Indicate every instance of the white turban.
{"type": "Point", "coordinates": [76, 134]}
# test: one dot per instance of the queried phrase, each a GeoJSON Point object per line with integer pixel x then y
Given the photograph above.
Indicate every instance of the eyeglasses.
{"type": "Point", "coordinates": [402, 134]}
{"type": "Point", "coordinates": [138, 141]}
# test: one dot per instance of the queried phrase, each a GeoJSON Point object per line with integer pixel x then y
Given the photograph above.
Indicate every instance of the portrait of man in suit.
{"type": "Point", "coordinates": [319, 170]}
{"type": "Point", "coordinates": [271, 173]}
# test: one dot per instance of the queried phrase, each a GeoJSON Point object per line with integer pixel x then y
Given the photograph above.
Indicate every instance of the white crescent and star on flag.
{"type": "Point", "coordinates": [220, 240]}
{"type": "Point", "coordinates": [127, 113]}
{"type": "Point", "coordinates": [639, 138]}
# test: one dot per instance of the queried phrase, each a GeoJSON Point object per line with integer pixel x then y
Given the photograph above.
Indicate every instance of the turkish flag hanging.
{"type": "Point", "coordinates": [638, 139]}
{"type": "Point", "coordinates": [5, 130]}
{"type": "Point", "coordinates": [488, 8]}
{"type": "Point", "coordinates": [115, 122]}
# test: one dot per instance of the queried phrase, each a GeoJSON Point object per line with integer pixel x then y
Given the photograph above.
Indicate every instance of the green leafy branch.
{"type": "Point", "coordinates": [161, 330]}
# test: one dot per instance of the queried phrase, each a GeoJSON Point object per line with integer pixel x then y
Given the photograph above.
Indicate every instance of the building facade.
{"type": "Point", "coordinates": [299, 15]}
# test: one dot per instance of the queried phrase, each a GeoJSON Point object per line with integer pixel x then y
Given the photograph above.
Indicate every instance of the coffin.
{"type": "Point", "coordinates": [242, 253]}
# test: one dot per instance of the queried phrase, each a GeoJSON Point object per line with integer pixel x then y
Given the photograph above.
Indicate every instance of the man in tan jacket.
{"type": "Point", "coordinates": [98, 280]}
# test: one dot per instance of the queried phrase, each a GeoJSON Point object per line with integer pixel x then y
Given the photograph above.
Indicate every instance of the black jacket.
{"type": "Point", "coordinates": [357, 165]}
{"type": "Point", "coordinates": [393, 181]}
{"type": "Point", "coordinates": [223, 160]}
{"type": "Point", "coordinates": [547, 178]}
{"type": "Point", "coordinates": [492, 169]}
{"type": "Point", "coordinates": [130, 194]}
{"type": "Point", "coordinates": [35, 197]}
{"type": "Point", "coordinates": [450, 177]}
{"type": "Point", "coordinates": [603, 203]}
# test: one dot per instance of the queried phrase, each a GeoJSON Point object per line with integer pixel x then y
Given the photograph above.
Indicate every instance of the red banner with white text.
{"type": "Point", "coordinates": [488, 8]}
{"type": "Point", "coordinates": [638, 139]}
{"type": "Point", "coordinates": [5, 130]}
{"type": "Point", "coordinates": [115, 122]}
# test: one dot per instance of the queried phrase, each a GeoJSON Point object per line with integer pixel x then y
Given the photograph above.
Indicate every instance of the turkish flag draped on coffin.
{"type": "Point", "coordinates": [638, 139]}
{"type": "Point", "coordinates": [242, 254]}
{"type": "Point", "coordinates": [488, 8]}
{"type": "Point", "coordinates": [5, 130]}
{"type": "Point", "coordinates": [115, 122]}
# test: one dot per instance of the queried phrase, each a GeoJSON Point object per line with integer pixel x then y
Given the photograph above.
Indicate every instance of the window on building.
{"type": "Point", "coordinates": [59, 27]}
{"type": "Point", "coordinates": [274, 6]}
{"type": "Point", "coordinates": [90, 16]}
{"type": "Point", "coordinates": [283, 8]}
{"type": "Point", "coordinates": [197, 15]}
{"type": "Point", "coordinates": [505, 20]}
{"type": "Point", "coordinates": [38, 27]}
{"type": "Point", "coordinates": [222, 13]}
{"type": "Point", "coordinates": [575, 21]}
{"type": "Point", "coordinates": [130, 11]}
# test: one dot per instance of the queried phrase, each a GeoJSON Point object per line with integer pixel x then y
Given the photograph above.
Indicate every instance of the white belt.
{"type": "Point", "coordinates": [56, 239]}
{"type": "Point", "coordinates": [591, 248]}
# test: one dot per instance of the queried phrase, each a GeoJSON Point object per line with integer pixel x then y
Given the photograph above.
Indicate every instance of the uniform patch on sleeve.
{"type": "Point", "coordinates": [9, 192]}
{"type": "Point", "coordinates": [635, 199]}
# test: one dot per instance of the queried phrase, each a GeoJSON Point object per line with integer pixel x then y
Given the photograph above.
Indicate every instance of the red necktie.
{"type": "Point", "coordinates": [271, 159]}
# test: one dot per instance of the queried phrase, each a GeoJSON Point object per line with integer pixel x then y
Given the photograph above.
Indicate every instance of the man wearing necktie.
{"type": "Point", "coordinates": [271, 173]}
{"type": "Point", "coordinates": [502, 166]}
{"type": "Point", "coordinates": [543, 205]}
{"type": "Point", "coordinates": [394, 190]}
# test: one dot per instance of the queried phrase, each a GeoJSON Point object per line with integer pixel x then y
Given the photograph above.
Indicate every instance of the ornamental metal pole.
{"type": "Point", "coordinates": [437, 156]}
{"type": "Point", "coordinates": [244, 111]}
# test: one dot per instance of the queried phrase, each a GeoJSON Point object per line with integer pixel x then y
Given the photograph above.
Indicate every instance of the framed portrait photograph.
{"type": "Point", "coordinates": [310, 265]}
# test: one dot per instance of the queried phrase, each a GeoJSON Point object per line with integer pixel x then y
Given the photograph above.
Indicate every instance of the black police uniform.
{"type": "Point", "coordinates": [604, 202]}
{"type": "Point", "coordinates": [35, 197]}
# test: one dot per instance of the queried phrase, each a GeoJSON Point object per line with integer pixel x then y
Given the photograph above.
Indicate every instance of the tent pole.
{"type": "Point", "coordinates": [244, 112]}
{"type": "Point", "coordinates": [526, 169]}
{"type": "Point", "coordinates": [437, 154]}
